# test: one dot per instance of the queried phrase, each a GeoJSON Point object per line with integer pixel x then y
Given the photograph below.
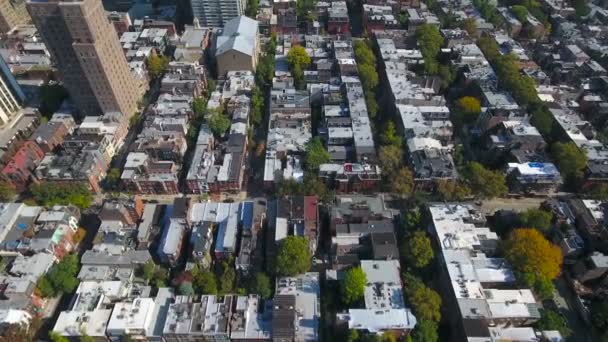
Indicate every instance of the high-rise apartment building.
{"type": "Point", "coordinates": [88, 55]}
{"type": "Point", "coordinates": [11, 95]}
{"type": "Point", "coordinates": [12, 13]}
{"type": "Point", "coordinates": [215, 13]}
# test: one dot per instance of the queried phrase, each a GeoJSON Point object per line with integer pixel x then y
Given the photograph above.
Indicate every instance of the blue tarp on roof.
{"type": "Point", "coordinates": [246, 215]}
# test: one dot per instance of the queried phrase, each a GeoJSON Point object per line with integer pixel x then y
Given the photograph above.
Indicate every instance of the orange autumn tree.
{"type": "Point", "coordinates": [536, 261]}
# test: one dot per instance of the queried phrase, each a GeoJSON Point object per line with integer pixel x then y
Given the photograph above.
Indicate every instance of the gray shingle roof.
{"type": "Point", "coordinates": [238, 34]}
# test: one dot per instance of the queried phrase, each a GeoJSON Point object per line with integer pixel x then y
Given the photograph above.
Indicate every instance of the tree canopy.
{"type": "Point", "coordinates": [485, 183]}
{"type": "Point", "coordinates": [402, 182]}
{"type": "Point", "coordinates": [417, 249]}
{"type": "Point", "coordinates": [551, 320]}
{"type": "Point", "coordinates": [50, 193]}
{"type": "Point", "coordinates": [227, 276]}
{"type": "Point", "coordinates": [157, 64]}
{"type": "Point", "coordinates": [390, 135]}
{"type": "Point", "coordinates": [520, 12]}
{"type": "Point", "coordinates": [218, 123]}
{"type": "Point", "coordinates": [363, 53]}
{"type": "Point", "coordinates": [534, 259]}
{"type": "Point", "coordinates": [536, 218]}
{"type": "Point", "coordinates": [390, 158]}
{"type": "Point", "coordinates": [7, 191]}
{"type": "Point", "coordinates": [366, 64]}
{"type": "Point", "coordinates": [581, 8]}
{"type": "Point", "coordinates": [468, 104]}
{"type": "Point", "coordinates": [470, 26]}
{"type": "Point", "coordinates": [316, 154]}
{"type": "Point", "coordinates": [425, 302]}
{"type": "Point", "coordinates": [261, 285]}
{"type": "Point", "coordinates": [353, 285]}
{"type": "Point", "coordinates": [204, 281]}
{"type": "Point", "coordinates": [570, 160]}
{"type": "Point", "coordinates": [297, 55]}
{"type": "Point", "coordinates": [293, 257]}
{"type": "Point", "coordinates": [61, 277]}
{"type": "Point", "coordinates": [452, 190]}
{"type": "Point", "coordinates": [430, 41]}
{"type": "Point", "coordinates": [425, 331]}
{"type": "Point", "coordinates": [467, 110]}
{"type": "Point", "coordinates": [186, 289]}
{"type": "Point", "coordinates": [599, 314]}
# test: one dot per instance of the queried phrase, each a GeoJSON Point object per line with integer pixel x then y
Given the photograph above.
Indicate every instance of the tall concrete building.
{"type": "Point", "coordinates": [11, 95]}
{"type": "Point", "coordinates": [88, 55]}
{"type": "Point", "coordinates": [12, 13]}
{"type": "Point", "coordinates": [215, 13]}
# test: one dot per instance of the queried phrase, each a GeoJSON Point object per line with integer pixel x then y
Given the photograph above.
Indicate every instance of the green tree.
{"type": "Point", "coordinates": [551, 320]}
{"type": "Point", "coordinates": [417, 249]}
{"type": "Point", "coordinates": [390, 136]}
{"type": "Point", "coordinates": [157, 64]}
{"type": "Point", "coordinates": [353, 285]}
{"type": "Point", "coordinates": [426, 303]}
{"type": "Point", "coordinates": [45, 288]}
{"type": "Point", "coordinates": [599, 314]}
{"type": "Point", "coordinates": [425, 331]}
{"type": "Point", "coordinates": [49, 194]}
{"type": "Point", "coordinates": [218, 123]}
{"type": "Point", "coordinates": [297, 55]}
{"type": "Point", "coordinates": [390, 158]}
{"type": "Point", "coordinates": [402, 182]}
{"type": "Point", "coordinates": [289, 187]}
{"type": "Point", "coordinates": [55, 337]}
{"type": "Point", "coordinates": [452, 191]}
{"type": "Point", "coordinates": [570, 160]}
{"type": "Point", "coordinates": [534, 259]}
{"type": "Point", "coordinates": [186, 289]}
{"type": "Point", "coordinates": [257, 106]}
{"type": "Point", "coordinates": [227, 278]}
{"type": "Point", "coordinates": [485, 183]}
{"type": "Point", "coordinates": [204, 282]}
{"type": "Point", "coordinates": [7, 191]}
{"type": "Point", "coordinates": [372, 105]}
{"type": "Point", "coordinates": [543, 287]}
{"type": "Point", "coordinates": [293, 257]}
{"type": "Point", "coordinates": [542, 120]}
{"type": "Point", "coordinates": [520, 12]}
{"type": "Point", "coordinates": [429, 40]}
{"type": "Point", "coordinates": [369, 76]}
{"type": "Point", "coordinates": [305, 10]}
{"type": "Point", "coordinates": [536, 218]}
{"type": "Point", "coordinates": [61, 277]}
{"type": "Point", "coordinates": [113, 176]}
{"type": "Point", "coordinates": [298, 77]}
{"type": "Point", "coordinates": [148, 270]}
{"type": "Point", "coordinates": [252, 8]}
{"type": "Point", "coordinates": [161, 275]}
{"type": "Point", "coordinates": [313, 186]}
{"type": "Point", "coordinates": [261, 285]}
{"type": "Point", "coordinates": [316, 154]}
{"type": "Point", "coordinates": [469, 25]}
{"type": "Point", "coordinates": [199, 106]}
{"type": "Point", "coordinates": [353, 336]}
{"type": "Point", "coordinates": [363, 53]}
{"type": "Point", "coordinates": [581, 8]}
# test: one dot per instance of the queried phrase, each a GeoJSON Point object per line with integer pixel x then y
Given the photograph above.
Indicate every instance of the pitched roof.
{"type": "Point", "coordinates": [238, 34]}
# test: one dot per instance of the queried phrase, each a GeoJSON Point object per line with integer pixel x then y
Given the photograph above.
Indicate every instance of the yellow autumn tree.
{"type": "Point", "coordinates": [534, 259]}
